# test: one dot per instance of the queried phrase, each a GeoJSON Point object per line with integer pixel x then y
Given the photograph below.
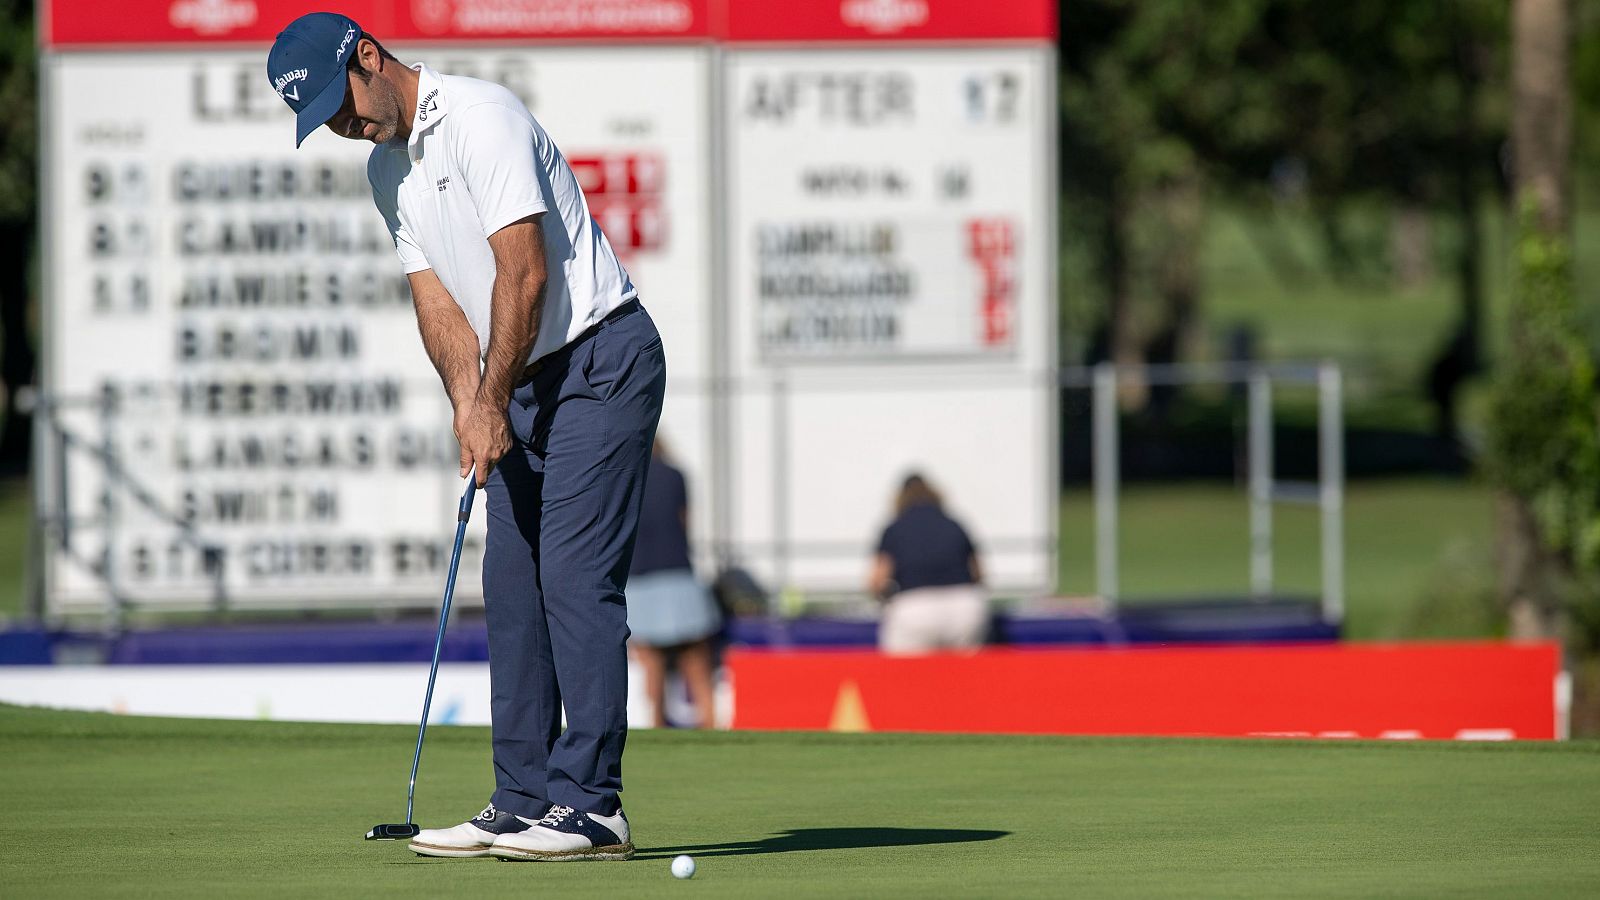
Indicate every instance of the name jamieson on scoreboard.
{"type": "Point", "coordinates": [277, 289]}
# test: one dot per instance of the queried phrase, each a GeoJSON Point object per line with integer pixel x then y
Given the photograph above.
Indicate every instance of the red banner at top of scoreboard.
{"type": "Point", "coordinates": [74, 23]}
{"type": "Point", "coordinates": [887, 20]}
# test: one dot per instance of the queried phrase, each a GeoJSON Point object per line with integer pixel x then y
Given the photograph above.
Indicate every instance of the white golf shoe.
{"type": "Point", "coordinates": [471, 838]}
{"type": "Point", "coordinates": [566, 834]}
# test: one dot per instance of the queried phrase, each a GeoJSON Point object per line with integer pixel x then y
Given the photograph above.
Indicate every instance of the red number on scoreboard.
{"type": "Point", "coordinates": [992, 246]}
{"type": "Point", "coordinates": [624, 192]}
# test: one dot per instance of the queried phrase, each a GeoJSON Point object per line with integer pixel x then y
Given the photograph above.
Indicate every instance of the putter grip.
{"type": "Point", "coordinates": [464, 511]}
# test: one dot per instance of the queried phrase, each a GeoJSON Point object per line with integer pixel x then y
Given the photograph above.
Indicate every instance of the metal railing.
{"type": "Point", "coordinates": [56, 523]}
{"type": "Point", "coordinates": [1265, 489]}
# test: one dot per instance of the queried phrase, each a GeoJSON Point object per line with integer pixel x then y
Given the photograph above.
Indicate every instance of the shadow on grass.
{"type": "Point", "coordinates": [828, 839]}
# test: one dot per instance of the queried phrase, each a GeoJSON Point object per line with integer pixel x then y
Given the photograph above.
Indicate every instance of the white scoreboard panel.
{"type": "Point", "coordinates": [882, 201]}
{"type": "Point", "coordinates": [891, 288]}
{"type": "Point", "coordinates": [227, 322]}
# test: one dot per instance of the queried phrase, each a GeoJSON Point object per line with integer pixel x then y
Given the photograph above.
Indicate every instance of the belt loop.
{"type": "Point", "coordinates": [530, 372]}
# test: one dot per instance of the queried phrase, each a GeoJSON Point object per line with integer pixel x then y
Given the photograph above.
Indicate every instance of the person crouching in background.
{"type": "Point", "coordinates": [670, 613]}
{"type": "Point", "coordinates": [927, 575]}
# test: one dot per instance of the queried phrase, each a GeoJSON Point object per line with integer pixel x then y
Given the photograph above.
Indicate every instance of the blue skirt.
{"type": "Point", "coordinates": [670, 607]}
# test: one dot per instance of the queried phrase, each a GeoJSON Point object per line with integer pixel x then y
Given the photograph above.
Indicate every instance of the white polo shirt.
{"type": "Point", "coordinates": [477, 161]}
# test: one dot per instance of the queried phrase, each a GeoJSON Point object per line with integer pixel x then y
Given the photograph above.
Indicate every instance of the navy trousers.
{"type": "Point", "coordinates": [563, 510]}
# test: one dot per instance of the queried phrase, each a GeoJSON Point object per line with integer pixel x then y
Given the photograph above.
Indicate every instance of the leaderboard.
{"type": "Point", "coordinates": [242, 410]}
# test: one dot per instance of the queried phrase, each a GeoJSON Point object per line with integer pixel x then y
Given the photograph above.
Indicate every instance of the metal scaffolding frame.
{"type": "Point", "coordinates": [1265, 490]}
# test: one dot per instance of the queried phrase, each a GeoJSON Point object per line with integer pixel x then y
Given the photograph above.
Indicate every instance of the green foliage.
{"type": "Point", "coordinates": [1458, 600]}
{"type": "Point", "coordinates": [1369, 95]}
{"type": "Point", "coordinates": [19, 133]}
{"type": "Point", "coordinates": [1544, 418]}
{"type": "Point", "coordinates": [15, 523]}
{"type": "Point", "coordinates": [1282, 104]}
{"type": "Point", "coordinates": [1586, 84]}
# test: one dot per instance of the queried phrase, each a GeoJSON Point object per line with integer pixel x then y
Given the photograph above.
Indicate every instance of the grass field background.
{"type": "Point", "coordinates": [14, 526]}
{"type": "Point", "coordinates": [1417, 552]}
{"type": "Point", "coordinates": [1383, 332]}
{"type": "Point", "coordinates": [106, 806]}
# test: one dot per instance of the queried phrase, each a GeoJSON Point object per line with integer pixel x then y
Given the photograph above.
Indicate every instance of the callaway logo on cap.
{"type": "Point", "coordinates": [306, 67]}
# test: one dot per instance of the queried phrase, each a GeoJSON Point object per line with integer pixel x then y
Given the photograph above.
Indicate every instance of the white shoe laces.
{"type": "Point", "coordinates": [556, 815]}
{"type": "Point", "coordinates": [488, 813]}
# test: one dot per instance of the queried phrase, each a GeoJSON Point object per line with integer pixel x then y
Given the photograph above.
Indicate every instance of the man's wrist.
{"type": "Point", "coordinates": [465, 396]}
{"type": "Point", "coordinates": [494, 399]}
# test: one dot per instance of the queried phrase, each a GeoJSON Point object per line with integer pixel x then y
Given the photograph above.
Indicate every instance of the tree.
{"type": "Point", "coordinates": [1395, 104]}
{"type": "Point", "coordinates": [1545, 422]}
{"type": "Point", "coordinates": [1541, 111]}
{"type": "Point", "coordinates": [18, 220]}
{"type": "Point", "coordinates": [1134, 187]}
{"type": "Point", "coordinates": [1544, 440]}
{"type": "Point", "coordinates": [1368, 100]}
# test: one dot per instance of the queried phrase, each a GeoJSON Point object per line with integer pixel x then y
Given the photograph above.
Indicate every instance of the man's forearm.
{"type": "Point", "coordinates": [451, 344]}
{"type": "Point", "coordinates": [515, 309]}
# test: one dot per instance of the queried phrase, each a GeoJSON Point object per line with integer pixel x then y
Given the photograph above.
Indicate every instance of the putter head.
{"type": "Point", "coordinates": [393, 832]}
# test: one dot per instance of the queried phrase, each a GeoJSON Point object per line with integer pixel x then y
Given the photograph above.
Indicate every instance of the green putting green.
{"type": "Point", "coordinates": [105, 806]}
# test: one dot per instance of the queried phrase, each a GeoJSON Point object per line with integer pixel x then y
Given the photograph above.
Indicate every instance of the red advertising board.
{"type": "Point", "coordinates": [77, 23]}
{"type": "Point", "coordinates": [74, 23]}
{"type": "Point", "coordinates": [879, 20]}
{"type": "Point", "coordinates": [1445, 691]}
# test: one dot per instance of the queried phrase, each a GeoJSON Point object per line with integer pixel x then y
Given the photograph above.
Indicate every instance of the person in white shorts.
{"type": "Point", "coordinates": [927, 574]}
{"type": "Point", "coordinates": [671, 614]}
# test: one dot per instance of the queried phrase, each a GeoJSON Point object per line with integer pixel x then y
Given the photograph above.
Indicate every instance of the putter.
{"type": "Point", "coordinates": [409, 829]}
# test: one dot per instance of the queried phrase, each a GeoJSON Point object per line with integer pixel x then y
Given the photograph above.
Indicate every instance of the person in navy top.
{"type": "Point", "coordinates": [670, 613]}
{"type": "Point", "coordinates": [926, 572]}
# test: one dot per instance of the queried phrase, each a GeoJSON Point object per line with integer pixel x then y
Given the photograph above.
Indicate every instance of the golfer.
{"type": "Point", "coordinates": [556, 375]}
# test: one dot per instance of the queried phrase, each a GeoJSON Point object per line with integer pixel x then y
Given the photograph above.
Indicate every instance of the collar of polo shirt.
{"type": "Point", "coordinates": [431, 105]}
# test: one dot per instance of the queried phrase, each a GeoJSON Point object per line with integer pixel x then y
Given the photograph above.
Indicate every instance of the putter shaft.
{"type": "Point", "coordinates": [463, 513]}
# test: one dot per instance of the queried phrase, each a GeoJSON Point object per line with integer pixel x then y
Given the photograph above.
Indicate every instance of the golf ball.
{"type": "Point", "coordinates": [683, 867]}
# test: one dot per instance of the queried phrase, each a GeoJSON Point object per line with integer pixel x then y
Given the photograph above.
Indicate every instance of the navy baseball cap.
{"type": "Point", "coordinates": [306, 67]}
